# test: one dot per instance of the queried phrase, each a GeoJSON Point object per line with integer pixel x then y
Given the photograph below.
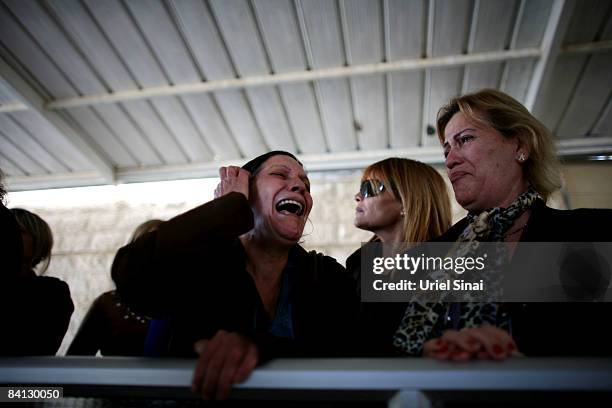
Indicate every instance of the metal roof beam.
{"type": "Point", "coordinates": [556, 28]}
{"type": "Point", "coordinates": [345, 160]}
{"type": "Point", "coordinates": [6, 107]}
{"type": "Point", "coordinates": [314, 163]}
{"type": "Point", "coordinates": [10, 79]}
{"type": "Point", "coordinates": [300, 76]}
{"type": "Point", "coordinates": [587, 48]}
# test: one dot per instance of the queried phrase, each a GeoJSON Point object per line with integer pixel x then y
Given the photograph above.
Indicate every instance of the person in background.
{"type": "Point", "coordinates": [234, 281]}
{"type": "Point", "coordinates": [403, 202]}
{"type": "Point", "coordinates": [109, 326]}
{"type": "Point", "coordinates": [502, 164]}
{"type": "Point", "coordinates": [40, 306]}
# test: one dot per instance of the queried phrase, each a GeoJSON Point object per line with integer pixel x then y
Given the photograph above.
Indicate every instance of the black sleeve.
{"type": "Point", "coordinates": [40, 312]}
{"type": "Point", "coordinates": [150, 272]}
{"type": "Point", "coordinates": [94, 327]}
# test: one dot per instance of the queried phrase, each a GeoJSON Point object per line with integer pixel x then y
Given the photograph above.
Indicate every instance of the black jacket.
{"type": "Point", "coordinates": [192, 270]}
{"type": "Point", "coordinates": [559, 329]}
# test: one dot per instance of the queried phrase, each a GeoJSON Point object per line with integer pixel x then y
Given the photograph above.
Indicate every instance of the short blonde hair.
{"type": "Point", "coordinates": [497, 110]}
{"type": "Point", "coordinates": [42, 237]}
{"type": "Point", "coordinates": [422, 193]}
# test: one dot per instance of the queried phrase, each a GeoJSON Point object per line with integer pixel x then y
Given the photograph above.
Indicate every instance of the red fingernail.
{"type": "Point", "coordinates": [511, 346]}
{"type": "Point", "coordinates": [443, 348]}
{"type": "Point", "coordinates": [497, 349]}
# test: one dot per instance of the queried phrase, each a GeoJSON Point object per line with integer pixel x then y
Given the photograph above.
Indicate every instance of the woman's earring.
{"type": "Point", "coordinates": [402, 213]}
{"type": "Point", "coordinates": [521, 157]}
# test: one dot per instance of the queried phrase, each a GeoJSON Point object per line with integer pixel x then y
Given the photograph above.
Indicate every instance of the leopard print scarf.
{"type": "Point", "coordinates": [425, 321]}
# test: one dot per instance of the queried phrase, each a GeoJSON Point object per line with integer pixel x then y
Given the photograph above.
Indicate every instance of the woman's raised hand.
{"type": "Point", "coordinates": [233, 178]}
{"type": "Point", "coordinates": [484, 343]}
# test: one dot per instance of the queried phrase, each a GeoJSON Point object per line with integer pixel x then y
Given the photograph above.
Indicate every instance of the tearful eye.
{"type": "Point", "coordinates": [290, 206]}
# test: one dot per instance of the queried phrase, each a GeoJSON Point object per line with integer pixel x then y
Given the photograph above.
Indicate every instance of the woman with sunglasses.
{"type": "Point", "coordinates": [400, 201]}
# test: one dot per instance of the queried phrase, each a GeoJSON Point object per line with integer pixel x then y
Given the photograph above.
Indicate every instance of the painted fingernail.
{"type": "Point", "coordinates": [497, 349]}
{"type": "Point", "coordinates": [511, 346]}
{"type": "Point", "coordinates": [443, 348]}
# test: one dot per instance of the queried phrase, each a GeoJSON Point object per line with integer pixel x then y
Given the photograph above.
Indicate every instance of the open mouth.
{"type": "Point", "coordinates": [290, 207]}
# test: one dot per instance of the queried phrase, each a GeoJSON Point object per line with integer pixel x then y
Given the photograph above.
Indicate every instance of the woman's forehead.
{"type": "Point", "coordinates": [284, 161]}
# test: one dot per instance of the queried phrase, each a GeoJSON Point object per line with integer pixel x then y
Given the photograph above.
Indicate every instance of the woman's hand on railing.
{"type": "Point", "coordinates": [483, 343]}
{"type": "Point", "coordinates": [226, 359]}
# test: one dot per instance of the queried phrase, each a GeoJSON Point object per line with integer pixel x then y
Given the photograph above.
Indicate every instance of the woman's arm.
{"type": "Point", "coordinates": [150, 272]}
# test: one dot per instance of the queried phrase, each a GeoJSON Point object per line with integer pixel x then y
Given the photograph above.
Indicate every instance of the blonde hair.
{"type": "Point", "coordinates": [422, 193]}
{"type": "Point", "coordinates": [42, 237]}
{"type": "Point", "coordinates": [497, 110]}
{"type": "Point", "coordinates": [147, 226]}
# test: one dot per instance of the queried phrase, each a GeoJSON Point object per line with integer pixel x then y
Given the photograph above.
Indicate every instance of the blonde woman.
{"type": "Point", "coordinates": [399, 201]}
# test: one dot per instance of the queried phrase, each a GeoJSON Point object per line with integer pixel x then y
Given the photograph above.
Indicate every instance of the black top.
{"type": "Point", "coordinates": [36, 312]}
{"type": "Point", "coordinates": [559, 329]}
{"type": "Point", "coordinates": [193, 271]}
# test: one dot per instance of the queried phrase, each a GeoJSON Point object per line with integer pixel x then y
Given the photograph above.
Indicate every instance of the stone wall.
{"type": "Point", "coordinates": [88, 235]}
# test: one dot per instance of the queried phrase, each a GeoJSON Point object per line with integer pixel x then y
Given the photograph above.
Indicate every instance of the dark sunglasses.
{"type": "Point", "coordinates": [371, 188]}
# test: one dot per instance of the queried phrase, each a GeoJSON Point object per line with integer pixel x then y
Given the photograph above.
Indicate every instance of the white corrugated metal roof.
{"type": "Point", "coordinates": [104, 91]}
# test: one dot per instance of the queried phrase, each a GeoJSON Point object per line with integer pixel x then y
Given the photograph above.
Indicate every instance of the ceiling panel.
{"type": "Point", "coordinates": [603, 126]}
{"type": "Point", "coordinates": [19, 136]}
{"type": "Point", "coordinates": [85, 32]}
{"type": "Point", "coordinates": [163, 38]}
{"type": "Point", "coordinates": [283, 42]}
{"type": "Point", "coordinates": [49, 35]}
{"type": "Point", "coordinates": [6, 95]}
{"type": "Point", "coordinates": [271, 118]}
{"type": "Point", "coordinates": [126, 130]}
{"type": "Point", "coordinates": [322, 33]}
{"type": "Point", "coordinates": [126, 39]}
{"type": "Point", "coordinates": [55, 142]}
{"type": "Point", "coordinates": [452, 21]}
{"type": "Point", "coordinates": [205, 43]}
{"type": "Point", "coordinates": [239, 119]}
{"type": "Point", "coordinates": [206, 115]}
{"type": "Point", "coordinates": [9, 168]}
{"type": "Point", "coordinates": [528, 31]}
{"type": "Point", "coordinates": [16, 152]}
{"type": "Point", "coordinates": [562, 82]}
{"type": "Point", "coordinates": [491, 30]}
{"type": "Point", "coordinates": [146, 118]}
{"type": "Point", "coordinates": [101, 134]}
{"type": "Point", "coordinates": [364, 43]}
{"type": "Point", "coordinates": [179, 121]}
{"type": "Point", "coordinates": [405, 37]}
{"type": "Point", "coordinates": [281, 32]}
{"type": "Point", "coordinates": [587, 20]}
{"type": "Point", "coordinates": [588, 99]}
{"type": "Point", "coordinates": [21, 45]}
{"type": "Point", "coordinates": [241, 32]}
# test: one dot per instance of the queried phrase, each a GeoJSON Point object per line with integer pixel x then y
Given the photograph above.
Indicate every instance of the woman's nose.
{"type": "Point", "coordinates": [452, 159]}
{"type": "Point", "coordinates": [358, 197]}
{"type": "Point", "coordinates": [298, 185]}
